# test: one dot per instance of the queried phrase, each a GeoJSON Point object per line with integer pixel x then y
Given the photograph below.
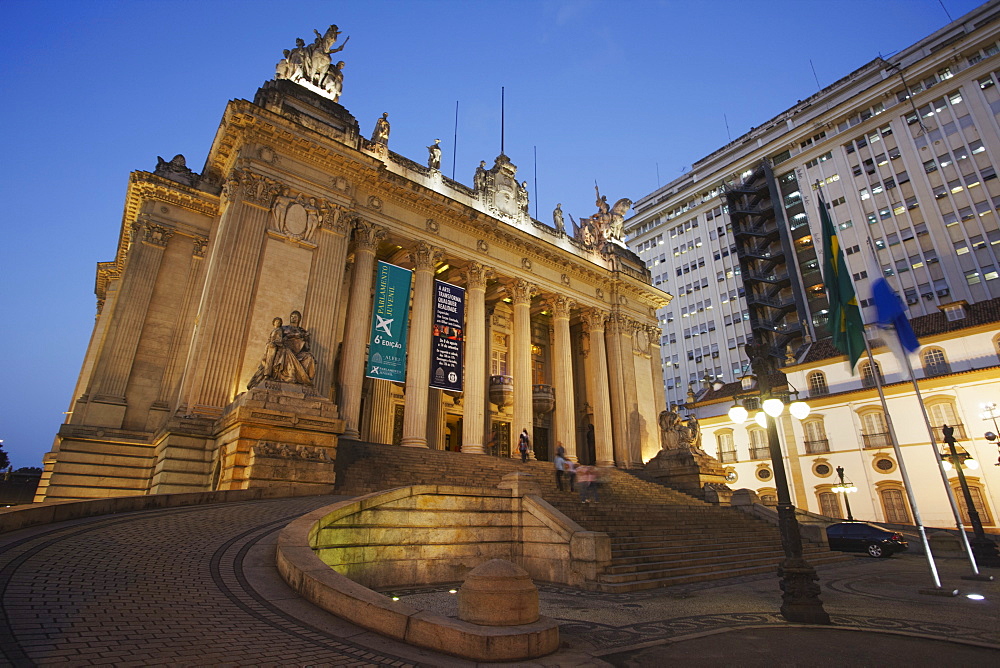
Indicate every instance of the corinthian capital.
{"type": "Point", "coordinates": [521, 291]}
{"type": "Point", "coordinates": [425, 256]}
{"type": "Point", "coordinates": [593, 319]}
{"type": "Point", "coordinates": [367, 235]}
{"type": "Point", "coordinates": [476, 276]}
{"type": "Point", "coordinates": [560, 305]}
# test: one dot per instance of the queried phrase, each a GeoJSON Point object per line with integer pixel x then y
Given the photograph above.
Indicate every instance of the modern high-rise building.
{"type": "Point", "coordinates": [903, 150]}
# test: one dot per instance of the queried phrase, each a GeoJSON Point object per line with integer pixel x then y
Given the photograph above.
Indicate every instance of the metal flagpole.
{"type": "Point", "coordinates": [902, 470]}
{"type": "Point", "coordinates": [895, 443]}
{"type": "Point", "coordinates": [947, 486]}
{"type": "Point", "coordinates": [454, 144]}
{"type": "Point", "coordinates": [930, 432]}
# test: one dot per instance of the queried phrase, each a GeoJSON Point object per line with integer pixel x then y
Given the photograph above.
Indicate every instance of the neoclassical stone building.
{"type": "Point", "coordinates": [291, 212]}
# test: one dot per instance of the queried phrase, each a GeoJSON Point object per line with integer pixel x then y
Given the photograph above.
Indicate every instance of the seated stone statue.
{"type": "Point", "coordinates": [286, 355]}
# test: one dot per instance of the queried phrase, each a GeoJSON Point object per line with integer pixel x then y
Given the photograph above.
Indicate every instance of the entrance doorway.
{"type": "Point", "coordinates": [499, 445]}
{"type": "Point", "coordinates": [541, 444]}
{"type": "Point", "coordinates": [453, 432]}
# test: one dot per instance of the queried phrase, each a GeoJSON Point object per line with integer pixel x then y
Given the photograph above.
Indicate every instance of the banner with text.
{"type": "Point", "coordinates": [387, 346]}
{"type": "Point", "coordinates": [448, 336]}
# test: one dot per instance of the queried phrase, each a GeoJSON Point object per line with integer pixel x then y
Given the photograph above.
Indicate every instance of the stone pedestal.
{"type": "Point", "coordinates": [692, 472]}
{"type": "Point", "coordinates": [278, 435]}
{"type": "Point", "coordinates": [498, 593]}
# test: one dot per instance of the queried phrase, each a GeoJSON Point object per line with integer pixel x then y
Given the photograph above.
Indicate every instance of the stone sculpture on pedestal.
{"type": "Point", "coordinates": [683, 464]}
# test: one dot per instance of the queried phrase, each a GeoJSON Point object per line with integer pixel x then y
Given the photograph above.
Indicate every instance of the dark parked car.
{"type": "Point", "coordinates": [865, 537]}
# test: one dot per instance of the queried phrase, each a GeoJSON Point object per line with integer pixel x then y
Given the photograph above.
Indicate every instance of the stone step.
{"type": "Point", "coordinates": [659, 536]}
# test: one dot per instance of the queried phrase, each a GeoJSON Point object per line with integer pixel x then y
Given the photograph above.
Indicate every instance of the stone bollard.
{"type": "Point", "coordinates": [498, 593]}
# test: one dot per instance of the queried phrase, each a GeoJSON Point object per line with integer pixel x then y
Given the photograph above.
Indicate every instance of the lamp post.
{"type": "Point", "coordinates": [984, 548]}
{"type": "Point", "coordinates": [845, 488]}
{"type": "Point", "coordinates": [800, 600]}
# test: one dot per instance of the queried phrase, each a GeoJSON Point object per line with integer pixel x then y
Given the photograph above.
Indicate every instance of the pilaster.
{"type": "Point", "coordinates": [213, 369]}
{"type": "Point", "coordinates": [149, 240]}
{"type": "Point", "coordinates": [323, 296]}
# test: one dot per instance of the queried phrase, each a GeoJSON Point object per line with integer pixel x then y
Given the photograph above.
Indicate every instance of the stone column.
{"type": "Point", "coordinates": [352, 356]}
{"type": "Point", "coordinates": [379, 409]}
{"type": "Point", "coordinates": [322, 303]}
{"type": "Point", "coordinates": [418, 350]}
{"type": "Point", "coordinates": [435, 419]}
{"type": "Point", "coordinates": [633, 419]}
{"type": "Point", "coordinates": [520, 293]}
{"type": "Point", "coordinates": [476, 359]}
{"type": "Point", "coordinates": [598, 370]}
{"type": "Point", "coordinates": [118, 354]}
{"type": "Point", "coordinates": [616, 388]}
{"type": "Point", "coordinates": [562, 367]}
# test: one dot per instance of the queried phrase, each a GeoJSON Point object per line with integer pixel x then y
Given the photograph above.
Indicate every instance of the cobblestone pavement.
{"type": "Point", "coordinates": [197, 586]}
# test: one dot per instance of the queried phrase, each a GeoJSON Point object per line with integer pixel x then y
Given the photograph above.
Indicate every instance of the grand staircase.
{"type": "Point", "coordinates": [659, 537]}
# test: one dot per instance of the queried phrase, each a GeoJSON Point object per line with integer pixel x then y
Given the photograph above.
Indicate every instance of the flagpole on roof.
{"type": "Point", "coordinates": [891, 312]}
{"type": "Point", "coordinates": [873, 365]}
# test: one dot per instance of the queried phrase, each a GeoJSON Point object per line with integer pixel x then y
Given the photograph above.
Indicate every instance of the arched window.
{"type": "Point", "coordinates": [941, 411]}
{"type": "Point", "coordinates": [868, 376]}
{"type": "Point", "coordinates": [758, 444]}
{"type": "Point", "coordinates": [894, 505]}
{"type": "Point", "coordinates": [815, 436]}
{"type": "Point", "coordinates": [934, 362]}
{"type": "Point", "coordinates": [727, 448]}
{"type": "Point", "coordinates": [768, 496]}
{"type": "Point", "coordinates": [817, 384]}
{"type": "Point", "coordinates": [978, 502]}
{"type": "Point", "coordinates": [874, 429]}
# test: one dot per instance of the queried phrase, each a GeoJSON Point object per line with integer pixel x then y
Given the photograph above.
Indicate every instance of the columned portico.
{"type": "Point", "coordinates": [352, 365]}
{"type": "Point", "coordinates": [520, 292]}
{"type": "Point", "coordinates": [476, 345]}
{"type": "Point", "coordinates": [418, 349]}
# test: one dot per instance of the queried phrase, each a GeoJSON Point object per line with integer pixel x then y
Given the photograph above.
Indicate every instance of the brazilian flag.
{"type": "Point", "coordinates": [845, 324]}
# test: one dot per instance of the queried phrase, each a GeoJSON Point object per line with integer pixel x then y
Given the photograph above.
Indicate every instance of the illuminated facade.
{"type": "Point", "coordinates": [957, 368]}
{"type": "Point", "coordinates": [292, 212]}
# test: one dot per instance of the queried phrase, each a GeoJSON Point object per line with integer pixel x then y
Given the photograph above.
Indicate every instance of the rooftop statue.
{"type": "Point", "coordinates": [608, 224]}
{"type": "Point", "coordinates": [311, 64]}
{"type": "Point", "coordinates": [381, 133]}
{"type": "Point", "coordinates": [434, 155]}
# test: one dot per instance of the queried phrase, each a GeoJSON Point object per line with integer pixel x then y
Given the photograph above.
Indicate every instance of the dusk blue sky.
{"type": "Point", "coordinates": [610, 91]}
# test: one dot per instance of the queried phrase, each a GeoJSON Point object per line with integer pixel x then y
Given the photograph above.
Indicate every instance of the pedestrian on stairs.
{"type": "Point", "coordinates": [585, 474]}
{"type": "Point", "coordinates": [570, 469]}
{"type": "Point", "coordinates": [560, 464]}
{"type": "Point", "coordinates": [523, 443]}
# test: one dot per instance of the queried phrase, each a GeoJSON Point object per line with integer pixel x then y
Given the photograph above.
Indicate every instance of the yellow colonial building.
{"type": "Point", "coordinates": [291, 217]}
